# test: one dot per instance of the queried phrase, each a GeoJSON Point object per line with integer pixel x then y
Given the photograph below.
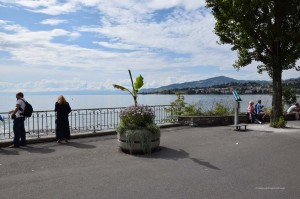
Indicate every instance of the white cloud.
{"type": "Point", "coordinates": [9, 26]}
{"type": "Point", "coordinates": [34, 4]}
{"type": "Point", "coordinates": [33, 48]}
{"type": "Point", "coordinates": [74, 35]}
{"type": "Point", "coordinates": [51, 85]}
{"type": "Point", "coordinates": [50, 7]}
{"type": "Point", "coordinates": [53, 22]}
{"type": "Point", "coordinates": [187, 4]}
{"type": "Point", "coordinates": [130, 34]}
{"type": "Point", "coordinates": [191, 33]}
{"type": "Point", "coordinates": [117, 45]}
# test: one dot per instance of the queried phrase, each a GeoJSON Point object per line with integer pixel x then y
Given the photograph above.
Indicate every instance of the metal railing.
{"type": "Point", "coordinates": [42, 123]}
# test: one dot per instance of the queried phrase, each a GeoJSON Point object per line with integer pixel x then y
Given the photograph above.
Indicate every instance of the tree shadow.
{"type": "Point", "coordinates": [31, 149]}
{"type": "Point", "coordinates": [172, 154]}
{"type": "Point", "coordinates": [80, 145]}
{"type": "Point", "coordinates": [261, 131]}
{"type": "Point", "coordinates": [292, 127]}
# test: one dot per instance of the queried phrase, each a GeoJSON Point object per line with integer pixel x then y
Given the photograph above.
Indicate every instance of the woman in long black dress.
{"type": "Point", "coordinates": [62, 108]}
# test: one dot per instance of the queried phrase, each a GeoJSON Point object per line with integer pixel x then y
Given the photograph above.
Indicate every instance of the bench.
{"type": "Point", "coordinates": [238, 126]}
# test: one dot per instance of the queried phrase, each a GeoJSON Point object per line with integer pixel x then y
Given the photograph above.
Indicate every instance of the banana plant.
{"type": "Point", "coordinates": [138, 84]}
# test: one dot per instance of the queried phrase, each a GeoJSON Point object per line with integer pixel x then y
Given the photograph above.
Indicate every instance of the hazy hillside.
{"type": "Point", "coordinates": [198, 84]}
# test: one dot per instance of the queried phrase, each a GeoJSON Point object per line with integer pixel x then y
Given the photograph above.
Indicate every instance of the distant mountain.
{"type": "Point", "coordinates": [195, 84]}
{"type": "Point", "coordinates": [215, 81]}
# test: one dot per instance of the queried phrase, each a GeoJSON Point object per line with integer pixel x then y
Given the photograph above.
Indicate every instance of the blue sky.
{"type": "Point", "coordinates": [49, 45]}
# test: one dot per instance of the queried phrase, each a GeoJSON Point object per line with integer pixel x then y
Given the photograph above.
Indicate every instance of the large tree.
{"type": "Point", "coordinates": [265, 31]}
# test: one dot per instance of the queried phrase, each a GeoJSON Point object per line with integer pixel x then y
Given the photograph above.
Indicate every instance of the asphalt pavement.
{"type": "Point", "coordinates": [193, 162]}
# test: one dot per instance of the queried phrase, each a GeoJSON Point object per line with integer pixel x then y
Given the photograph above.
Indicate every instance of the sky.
{"type": "Point", "coordinates": [65, 45]}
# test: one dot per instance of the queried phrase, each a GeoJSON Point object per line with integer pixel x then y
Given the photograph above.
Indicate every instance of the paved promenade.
{"type": "Point", "coordinates": [213, 162]}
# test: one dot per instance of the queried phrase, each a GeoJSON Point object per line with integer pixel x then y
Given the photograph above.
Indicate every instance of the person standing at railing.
{"type": "Point", "coordinates": [62, 109]}
{"type": "Point", "coordinates": [1, 119]}
{"type": "Point", "coordinates": [18, 127]}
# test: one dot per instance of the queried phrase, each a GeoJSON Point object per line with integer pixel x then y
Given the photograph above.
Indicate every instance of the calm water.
{"type": "Point", "coordinates": [46, 102]}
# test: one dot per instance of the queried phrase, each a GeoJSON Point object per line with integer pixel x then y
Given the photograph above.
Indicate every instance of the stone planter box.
{"type": "Point", "coordinates": [210, 120]}
{"type": "Point", "coordinates": [221, 120]}
{"type": "Point", "coordinates": [289, 116]}
{"type": "Point", "coordinates": [125, 146]}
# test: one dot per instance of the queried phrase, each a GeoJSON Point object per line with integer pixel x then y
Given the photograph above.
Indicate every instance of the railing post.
{"type": "Point", "coordinates": [75, 120]}
{"type": "Point", "coordinates": [42, 130]}
{"type": "Point", "coordinates": [38, 125]}
{"type": "Point", "coordinates": [94, 122]}
{"type": "Point", "coordinates": [9, 128]}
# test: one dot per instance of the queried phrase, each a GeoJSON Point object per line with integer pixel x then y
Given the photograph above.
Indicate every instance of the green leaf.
{"type": "Point", "coordinates": [120, 87]}
{"type": "Point", "coordinates": [139, 82]}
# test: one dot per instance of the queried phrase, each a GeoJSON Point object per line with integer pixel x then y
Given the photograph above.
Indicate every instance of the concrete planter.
{"type": "Point", "coordinates": [136, 145]}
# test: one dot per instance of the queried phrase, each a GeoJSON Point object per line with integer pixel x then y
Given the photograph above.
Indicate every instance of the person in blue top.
{"type": "Point", "coordinates": [259, 110]}
{"type": "Point", "coordinates": [1, 119]}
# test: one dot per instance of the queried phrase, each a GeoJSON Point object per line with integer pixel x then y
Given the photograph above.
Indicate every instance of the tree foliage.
{"type": "Point", "coordinates": [265, 31]}
{"type": "Point", "coordinates": [289, 95]}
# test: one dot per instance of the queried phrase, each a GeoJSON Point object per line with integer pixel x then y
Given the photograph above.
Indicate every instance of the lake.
{"type": "Point", "coordinates": [47, 102]}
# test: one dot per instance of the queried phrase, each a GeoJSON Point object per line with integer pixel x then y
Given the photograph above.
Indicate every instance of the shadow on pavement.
{"type": "Point", "coordinates": [292, 127]}
{"type": "Point", "coordinates": [31, 149]}
{"type": "Point", "coordinates": [258, 130]}
{"type": "Point", "coordinates": [8, 152]}
{"type": "Point", "coordinates": [80, 145]}
{"type": "Point", "coordinates": [206, 164]}
{"type": "Point", "coordinates": [169, 154]}
{"type": "Point", "coordinates": [172, 154]}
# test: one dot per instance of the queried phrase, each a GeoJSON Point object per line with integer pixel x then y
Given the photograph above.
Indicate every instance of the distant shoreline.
{"type": "Point", "coordinates": [123, 93]}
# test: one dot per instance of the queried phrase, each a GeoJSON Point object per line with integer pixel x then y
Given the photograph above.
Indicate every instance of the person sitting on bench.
{"type": "Point", "coordinates": [261, 114]}
{"type": "Point", "coordinates": [295, 108]}
{"type": "Point", "coordinates": [252, 113]}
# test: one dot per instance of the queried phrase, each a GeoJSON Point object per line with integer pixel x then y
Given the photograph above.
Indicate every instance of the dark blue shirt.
{"type": "Point", "coordinates": [258, 107]}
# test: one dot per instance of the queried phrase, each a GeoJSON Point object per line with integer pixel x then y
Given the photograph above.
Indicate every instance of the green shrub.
{"type": "Point", "coordinates": [280, 123]}
{"type": "Point", "coordinates": [179, 103]}
{"type": "Point", "coordinates": [177, 108]}
{"type": "Point", "coordinates": [219, 109]}
{"type": "Point", "coordinates": [192, 110]}
{"type": "Point", "coordinates": [180, 107]}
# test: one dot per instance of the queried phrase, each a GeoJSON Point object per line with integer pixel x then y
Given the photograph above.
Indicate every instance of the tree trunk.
{"type": "Point", "coordinates": [277, 109]}
{"type": "Point", "coordinates": [277, 61]}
